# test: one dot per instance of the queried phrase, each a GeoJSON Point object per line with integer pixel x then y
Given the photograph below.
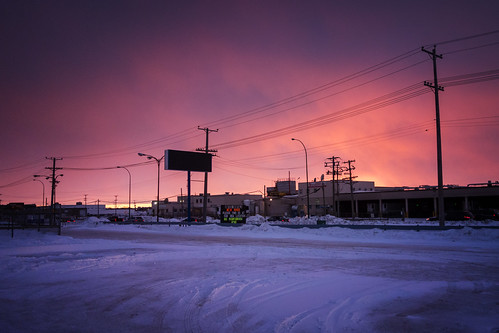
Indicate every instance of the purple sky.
{"type": "Point", "coordinates": [96, 82]}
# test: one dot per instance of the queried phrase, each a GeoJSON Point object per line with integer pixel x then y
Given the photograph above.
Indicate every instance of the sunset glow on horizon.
{"type": "Point", "coordinates": [96, 83]}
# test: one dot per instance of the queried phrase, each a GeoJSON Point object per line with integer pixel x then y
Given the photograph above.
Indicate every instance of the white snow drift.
{"type": "Point", "coordinates": [108, 278]}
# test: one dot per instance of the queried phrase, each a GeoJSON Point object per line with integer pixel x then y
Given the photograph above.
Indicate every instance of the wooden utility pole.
{"type": "Point", "coordinates": [350, 168]}
{"type": "Point", "coordinates": [332, 164]}
{"type": "Point", "coordinates": [54, 182]}
{"type": "Point", "coordinates": [436, 88]}
{"type": "Point", "coordinates": [207, 151]}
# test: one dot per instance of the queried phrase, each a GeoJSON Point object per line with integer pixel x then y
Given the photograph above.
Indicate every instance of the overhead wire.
{"type": "Point", "coordinates": [472, 122]}
{"type": "Point", "coordinates": [450, 41]}
{"type": "Point", "coordinates": [21, 181]}
{"type": "Point", "coordinates": [245, 116]}
{"type": "Point", "coordinates": [190, 133]}
{"type": "Point", "coordinates": [232, 121]}
{"type": "Point", "coordinates": [110, 167]}
{"type": "Point", "coordinates": [395, 97]}
{"type": "Point", "coordinates": [374, 104]}
{"type": "Point", "coordinates": [370, 139]}
{"type": "Point", "coordinates": [327, 96]}
{"type": "Point", "coordinates": [470, 48]}
{"type": "Point", "coordinates": [318, 89]}
{"type": "Point", "coordinates": [27, 165]}
{"type": "Point", "coordinates": [366, 140]}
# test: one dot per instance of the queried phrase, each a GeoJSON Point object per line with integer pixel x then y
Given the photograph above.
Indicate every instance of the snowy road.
{"type": "Point", "coordinates": [252, 279]}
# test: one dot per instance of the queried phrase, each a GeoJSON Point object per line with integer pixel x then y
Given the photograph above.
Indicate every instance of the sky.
{"type": "Point", "coordinates": [95, 83]}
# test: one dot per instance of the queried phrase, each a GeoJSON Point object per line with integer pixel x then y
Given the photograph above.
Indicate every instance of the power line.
{"type": "Point", "coordinates": [360, 141]}
{"type": "Point", "coordinates": [321, 88]}
{"type": "Point", "coordinates": [21, 181]}
{"type": "Point", "coordinates": [245, 116]}
{"type": "Point", "coordinates": [493, 32]}
{"type": "Point", "coordinates": [24, 166]}
{"type": "Point", "coordinates": [110, 167]}
{"type": "Point", "coordinates": [324, 97]}
{"type": "Point", "coordinates": [471, 48]}
{"type": "Point", "coordinates": [383, 101]}
{"type": "Point", "coordinates": [409, 130]}
{"type": "Point", "coordinates": [188, 134]}
{"type": "Point", "coordinates": [395, 97]}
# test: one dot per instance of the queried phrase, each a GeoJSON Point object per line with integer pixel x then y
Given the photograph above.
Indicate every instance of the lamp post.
{"type": "Point", "coordinates": [43, 191]}
{"type": "Point", "coordinates": [54, 181]}
{"type": "Point", "coordinates": [129, 190]}
{"type": "Point", "coordinates": [158, 161]}
{"type": "Point", "coordinates": [306, 170]}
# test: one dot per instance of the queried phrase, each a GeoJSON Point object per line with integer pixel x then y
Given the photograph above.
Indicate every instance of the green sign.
{"type": "Point", "coordinates": [233, 214]}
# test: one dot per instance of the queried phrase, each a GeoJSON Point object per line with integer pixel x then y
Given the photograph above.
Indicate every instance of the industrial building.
{"type": "Point", "coordinates": [178, 209]}
{"type": "Point", "coordinates": [366, 200]}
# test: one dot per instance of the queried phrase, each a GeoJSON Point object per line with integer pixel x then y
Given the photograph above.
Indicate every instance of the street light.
{"type": "Point", "coordinates": [43, 191]}
{"type": "Point", "coordinates": [150, 157]}
{"type": "Point", "coordinates": [306, 168]}
{"type": "Point", "coordinates": [129, 190]}
{"type": "Point", "coordinates": [54, 181]}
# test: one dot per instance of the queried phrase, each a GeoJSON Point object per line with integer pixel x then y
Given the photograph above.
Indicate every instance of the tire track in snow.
{"type": "Point", "coordinates": [233, 306]}
{"type": "Point", "coordinates": [353, 310]}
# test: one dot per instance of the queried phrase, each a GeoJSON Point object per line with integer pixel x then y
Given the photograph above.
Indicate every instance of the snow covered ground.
{"type": "Point", "coordinates": [125, 278]}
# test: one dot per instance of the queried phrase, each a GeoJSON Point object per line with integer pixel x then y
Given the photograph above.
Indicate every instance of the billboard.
{"type": "Point", "coordinates": [187, 161]}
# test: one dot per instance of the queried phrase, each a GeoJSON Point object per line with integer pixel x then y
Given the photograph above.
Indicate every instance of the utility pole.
{"type": "Point", "coordinates": [323, 196]}
{"type": "Point", "coordinates": [350, 168]}
{"type": "Point", "coordinates": [54, 183]}
{"type": "Point", "coordinates": [207, 151]}
{"type": "Point", "coordinates": [86, 205]}
{"type": "Point", "coordinates": [332, 164]}
{"type": "Point", "coordinates": [436, 88]}
{"type": "Point", "coordinates": [339, 171]}
{"type": "Point", "coordinates": [115, 204]}
{"type": "Point", "coordinates": [181, 203]}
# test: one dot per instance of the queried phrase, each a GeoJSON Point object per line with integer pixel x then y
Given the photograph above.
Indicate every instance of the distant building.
{"type": "Point", "coordinates": [80, 210]}
{"type": "Point", "coordinates": [178, 209]}
{"type": "Point", "coordinates": [286, 186]}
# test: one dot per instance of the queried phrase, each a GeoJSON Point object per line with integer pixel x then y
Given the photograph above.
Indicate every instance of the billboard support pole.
{"type": "Point", "coordinates": [188, 197]}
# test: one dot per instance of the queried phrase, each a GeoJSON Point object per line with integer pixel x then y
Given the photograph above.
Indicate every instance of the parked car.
{"type": "Point", "coordinates": [486, 214]}
{"type": "Point", "coordinates": [454, 216]}
{"type": "Point", "coordinates": [115, 219]}
{"type": "Point", "coordinates": [277, 219]}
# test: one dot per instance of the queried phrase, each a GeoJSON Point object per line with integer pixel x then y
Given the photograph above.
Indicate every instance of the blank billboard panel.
{"type": "Point", "coordinates": [187, 161]}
